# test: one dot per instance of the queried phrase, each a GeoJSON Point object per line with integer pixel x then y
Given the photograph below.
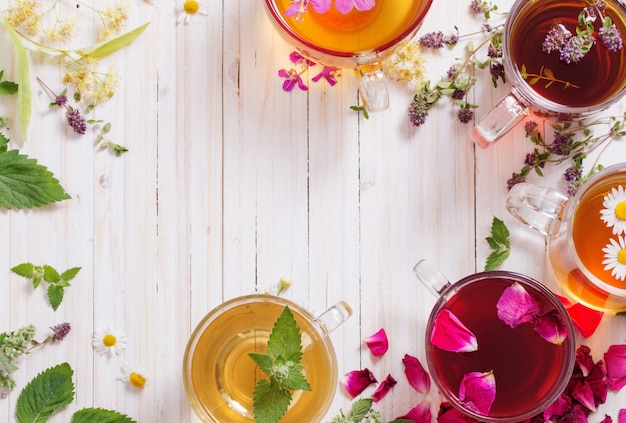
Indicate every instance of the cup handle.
{"type": "Point", "coordinates": [499, 120]}
{"type": "Point", "coordinates": [332, 318]}
{"type": "Point", "coordinates": [538, 207]}
{"type": "Point", "coordinates": [372, 86]}
{"type": "Point", "coordinates": [434, 280]}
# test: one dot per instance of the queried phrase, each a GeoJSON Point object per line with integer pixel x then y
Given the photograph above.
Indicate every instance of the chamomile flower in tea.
{"type": "Point", "coordinates": [614, 212]}
{"type": "Point", "coordinates": [109, 341]}
{"type": "Point", "coordinates": [615, 257]}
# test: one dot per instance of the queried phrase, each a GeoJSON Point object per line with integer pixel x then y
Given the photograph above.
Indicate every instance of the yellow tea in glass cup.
{"type": "Point", "coordinates": [586, 235]}
{"type": "Point", "coordinates": [219, 376]}
{"type": "Point", "coordinates": [349, 33]}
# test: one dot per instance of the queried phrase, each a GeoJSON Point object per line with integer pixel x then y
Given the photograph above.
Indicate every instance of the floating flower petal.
{"type": "Point", "coordinates": [557, 408]}
{"type": "Point", "coordinates": [419, 414]}
{"type": "Point", "coordinates": [551, 327]}
{"type": "Point", "coordinates": [378, 343]}
{"type": "Point", "coordinates": [416, 375]}
{"type": "Point", "coordinates": [614, 212]}
{"type": "Point", "coordinates": [450, 334]}
{"type": "Point", "coordinates": [135, 377]}
{"type": "Point", "coordinates": [298, 7]}
{"type": "Point", "coordinates": [356, 381]}
{"type": "Point", "coordinates": [615, 257]}
{"type": "Point", "coordinates": [615, 359]}
{"type": "Point", "coordinates": [346, 6]}
{"type": "Point", "coordinates": [449, 414]}
{"type": "Point", "coordinates": [384, 388]}
{"type": "Point", "coordinates": [516, 306]}
{"type": "Point", "coordinates": [478, 391]}
{"type": "Point", "coordinates": [107, 340]}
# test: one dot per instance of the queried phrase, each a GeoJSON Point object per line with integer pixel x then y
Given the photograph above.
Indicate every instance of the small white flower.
{"type": "Point", "coordinates": [614, 212]}
{"type": "Point", "coordinates": [615, 258]}
{"type": "Point", "coordinates": [192, 10]}
{"type": "Point", "coordinates": [134, 376]}
{"type": "Point", "coordinates": [108, 340]}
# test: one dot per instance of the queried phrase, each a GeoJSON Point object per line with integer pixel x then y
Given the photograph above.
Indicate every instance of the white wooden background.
{"type": "Point", "coordinates": [230, 183]}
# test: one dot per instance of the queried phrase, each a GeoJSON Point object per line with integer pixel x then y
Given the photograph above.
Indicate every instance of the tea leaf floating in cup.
{"type": "Point", "coordinates": [281, 364]}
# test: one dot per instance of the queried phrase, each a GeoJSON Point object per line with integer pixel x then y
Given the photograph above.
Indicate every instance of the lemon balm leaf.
{"type": "Point", "coordinates": [296, 379]}
{"type": "Point", "coordinates": [270, 401]}
{"type": "Point", "coordinates": [55, 296]}
{"type": "Point", "coordinates": [49, 391]}
{"type": "Point", "coordinates": [106, 48]}
{"type": "Point", "coordinates": [499, 243]}
{"type": "Point", "coordinates": [99, 415]}
{"type": "Point", "coordinates": [285, 339]}
{"type": "Point", "coordinates": [264, 361]}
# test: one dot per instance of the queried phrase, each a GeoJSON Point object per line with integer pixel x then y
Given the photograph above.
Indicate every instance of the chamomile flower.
{"type": "Point", "coordinates": [107, 340]}
{"type": "Point", "coordinates": [614, 212]}
{"type": "Point", "coordinates": [615, 257]}
{"type": "Point", "coordinates": [134, 376]}
{"type": "Point", "coordinates": [192, 10]}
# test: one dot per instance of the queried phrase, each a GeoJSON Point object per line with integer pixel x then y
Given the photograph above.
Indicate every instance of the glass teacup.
{"type": "Point", "coordinates": [219, 376]}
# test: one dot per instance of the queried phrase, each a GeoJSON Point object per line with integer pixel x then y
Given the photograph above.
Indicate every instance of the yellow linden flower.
{"type": "Point", "coordinates": [192, 9]}
{"type": "Point", "coordinates": [107, 340]}
{"type": "Point", "coordinates": [406, 65]}
{"type": "Point", "coordinates": [133, 376]}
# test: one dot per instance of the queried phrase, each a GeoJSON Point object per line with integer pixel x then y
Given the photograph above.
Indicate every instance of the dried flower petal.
{"type": "Point", "coordinates": [419, 414]}
{"type": "Point", "coordinates": [384, 388]}
{"type": "Point", "coordinates": [378, 343]}
{"type": "Point", "coordinates": [551, 327]}
{"type": "Point", "coordinates": [516, 306]}
{"type": "Point", "coordinates": [621, 417]}
{"type": "Point", "coordinates": [584, 361]}
{"type": "Point", "coordinates": [450, 334]}
{"type": "Point", "coordinates": [449, 414]}
{"type": "Point", "coordinates": [583, 394]}
{"type": "Point", "coordinates": [356, 381]}
{"type": "Point", "coordinates": [558, 408]}
{"type": "Point", "coordinates": [615, 359]}
{"type": "Point", "coordinates": [416, 375]}
{"type": "Point", "coordinates": [478, 391]}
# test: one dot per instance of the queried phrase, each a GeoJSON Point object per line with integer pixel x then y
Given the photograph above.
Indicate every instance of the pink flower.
{"type": "Point", "coordinates": [583, 394]}
{"type": "Point", "coordinates": [478, 391]}
{"type": "Point", "coordinates": [449, 414]}
{"type": "Point", "coordinates": [345, 6]}
{"type": "Point", "coordinates": [450, 334]}
{"type": "Point", "coordinates": [384, 388]}
{"type": "Point", "coordinates": [585, 319]}
{"type": "Point", "coordinates": [296, 58]}
{"type": "Point", "coordinates": [551, 327]}
{"type": "Point", "coordinates": [298, 7]}
{"type": "Point", "coordinates": [615, 359]}
{"type": "Point", "coordinates": [621, 417]}
{"type": "Point", "coordinates": [516, 306]}
{"type": "Point", "coordinates": [292, 78]}
{"type": "Point", "coordinates": [558, 408]}
{"type": "Point", "coordinates": [327, 73]}
{"type": "Point", "coordinates": [378, 343]}
{"type": "Point", "coordinates": [416, 375]}
{"type": "Point", "coordinates": [356, 381]}
{"type": "Point", "coordinates": [418, 414]}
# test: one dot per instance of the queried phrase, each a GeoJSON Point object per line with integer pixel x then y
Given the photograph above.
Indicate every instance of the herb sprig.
{"type": "Point", "coordinates": [499, 243]}
{"type": "Point", "coordinates": [281, 364]}
{"type": "Point", "coordinates": [57, 282]}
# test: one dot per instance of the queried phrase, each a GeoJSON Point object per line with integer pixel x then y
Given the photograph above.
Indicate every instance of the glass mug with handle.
{"type": "Point", "coordinates": [219, 376]}
{"type": "Point", "coordinates": [586, 235]}
{"type": "Point", "coordinates": [528, 365]}
{"type": "Point", "coordinates": [350, 33]}
{"type": "Point", "coordinates": [543, 62]}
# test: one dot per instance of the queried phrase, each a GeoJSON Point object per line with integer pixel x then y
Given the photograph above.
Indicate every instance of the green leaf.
{"type": "Point", "coordinates": [270, 402]}
{"type": "Point", "coordinates": [264, 361]}
{"type": "Point", "coordinates": [25, 269]}
{"type": "Point", "coordinates": [360, 408]}
{"type": "Point", "coordinates": [499, 243]}
{"type": "Point", "coordinates": [6, 365]}
{"type": "Point", "coordinates": [99, 415]}
{"type": "Point", "coordinates": [24, 94]}
{"type": "Point", "coordinates": [26, 184]}
{"type": "Point", "coordinates": [296, 379]}
{"type": "Point", "coordinates": [106, 48]}
{"type": "Point", "coordinates": [4, 142]}
{"type": "Point", "coordinates": [50, 274]}
{"type": "Point", "coordinates": [55, 295]}
{"type": "Point", "coordinates": [8, 87]}
{"type": "Point", "coordinates": [495, 259]}
{"type": "Point", "coordinates": [45, 394]}
{"type": "Point", "coordinates": [70, 274]}
{"type": "Point", "coordinates": [499, 232]}
{"type": "Point", "coordinates": [285, 339]}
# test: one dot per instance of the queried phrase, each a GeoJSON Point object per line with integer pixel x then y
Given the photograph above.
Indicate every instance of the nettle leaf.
{"type": "Point", "coordinates": [26, 270]}
{"type": "Point", "coordinates": [99, 415]}
{"type": "Point", "coordinates": [296, 379]}
{"type": "Point", "coordinates": [285, 339]}
{"type": "Point", "coordinates": [50, 274]}
{"type": "Point", "coordinates": [8, 87]}
{"type": "Point", "coordinates": [499, 243]}
{"type": "Point", "coordinates": [270, 402]}
{"type": "Point", "coordinates": [26, 184]}
{"type": "Point", "coordinates": [264, 361]}
{"type": "Point", "coordinates": [70, 274]}
{"type": "Point", "coordinates": [45, 394]}
{"type": "Point", "coordinates": [55, 295]}
{"type": "Point", "coordinates": [360, 408]}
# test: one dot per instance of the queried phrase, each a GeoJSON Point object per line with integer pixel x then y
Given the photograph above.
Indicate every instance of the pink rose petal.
{"type": "Point", "coordinates": [378, 343]}
{"type": "Point", "coordinates": [416, 375]}
{"type": "Point", "coordinates": [418, 414]}
{"type": "Point", "coordinates": [449, 414]}
{"type": "Point", "coordinates": [615, 359]}
{"type": "Point", "coordinates": [583, 394]}
{"type": "Point", "coordinates": [558, 408]}
{"type": "Point", "coordinates": [621, 417]}
{"type": "Point", "coordinates": [478, 391]}
{"type": "Point", "coordinates": [607, 419]}
{"type": "Point", "coordinates": [356, 381]}
{"type": "Point", "coordinates": [516, 306]}
{"type": "Point", "coordinates": [450, 334]}
{"type": "Point", "coordinates": [384, 388]}
{"type": "Point", "coordinates": [584, 361]}
{"type": "Point", "coordinates": [551, 327]}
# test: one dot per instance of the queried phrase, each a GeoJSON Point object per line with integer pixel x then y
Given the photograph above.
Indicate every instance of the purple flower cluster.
{"type": "Point", "coordinates": [77, 121]}
{"type": "Point", "coordinates": [438, 40]}
{"type": "Point", "coordinates": [60, 331]}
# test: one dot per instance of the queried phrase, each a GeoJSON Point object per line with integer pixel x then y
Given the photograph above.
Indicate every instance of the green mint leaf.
{"type": "Point", "coordinates": [26, 184]}
{"type": "Point", "coordinates": [70, 274]}
{"type": "Point", "coordinates": [285, 339]}
{"type": "Point", "coordinates": [99, 415]}
{"type": "Point", "coordinates": [49, 391]}
{"type": "Point", "coordinates": [270, 401]}
{"type": "Point", "coordinates": [55, 295]}
{"type": "Point", "coordinates": [499, 243]}
{"type": "Point", "coordinates": [296, 379]}
{"type": "Point", "coordinates": [499, 232]}
{"type": "Point", "coordinates": [264, 361]}
{"type": "Point", "coordinates": [8, 87]}
{"type": "Point", "coordinates": [360, 408]}
{"type": "Point", "coordinates": [495, 259]}
{"type": "Point", "coordinates": [6, 365]}
{"type": "Point", "coordinates": [26, 270]}
{"type": "Point", "coordinates": [50, 275]}
{"type": "Point", "coordinates": [4, 142]}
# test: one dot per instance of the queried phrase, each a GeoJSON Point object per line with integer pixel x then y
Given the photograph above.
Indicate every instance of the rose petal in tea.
{"type": "Point", "coordinates": [478, 391]}
{"type": "Point", "coordinates": [516, 306]}
{"type": "Point", "coordinates": [450, 334]}
{"type": "Point", "coordinates": [551, 327]}
{"type": "Point", "coordinates": [416, 375]}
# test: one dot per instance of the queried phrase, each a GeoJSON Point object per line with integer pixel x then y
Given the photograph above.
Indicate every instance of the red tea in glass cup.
{"type": "Point", "coordinates": [546, 83]}
{"type": "Point", "coordinates": [324, 31]}
{"type": "Point", "coordinates": [587, 253]}
{"type": "Point", "coordinates": [530, 372]}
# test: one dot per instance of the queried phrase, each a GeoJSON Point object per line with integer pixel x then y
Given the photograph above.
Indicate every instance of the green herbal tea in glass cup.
{"type": "Point", "coordinates": [564, 58]}
{"type": "Point", "coordinates": [220, 375]}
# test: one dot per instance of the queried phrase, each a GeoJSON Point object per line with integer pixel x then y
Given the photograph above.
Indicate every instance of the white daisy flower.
{"type": "Point", "coordinates": [107, 340]}
{"type": "Point", "coordinates": [614, 212]}
{"type": "Point", "coordinates": [615, 257]}
{"type": "Point", "coordinates": [192, 10]}
{"type": "Point", "coordinates": [134, 376]}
